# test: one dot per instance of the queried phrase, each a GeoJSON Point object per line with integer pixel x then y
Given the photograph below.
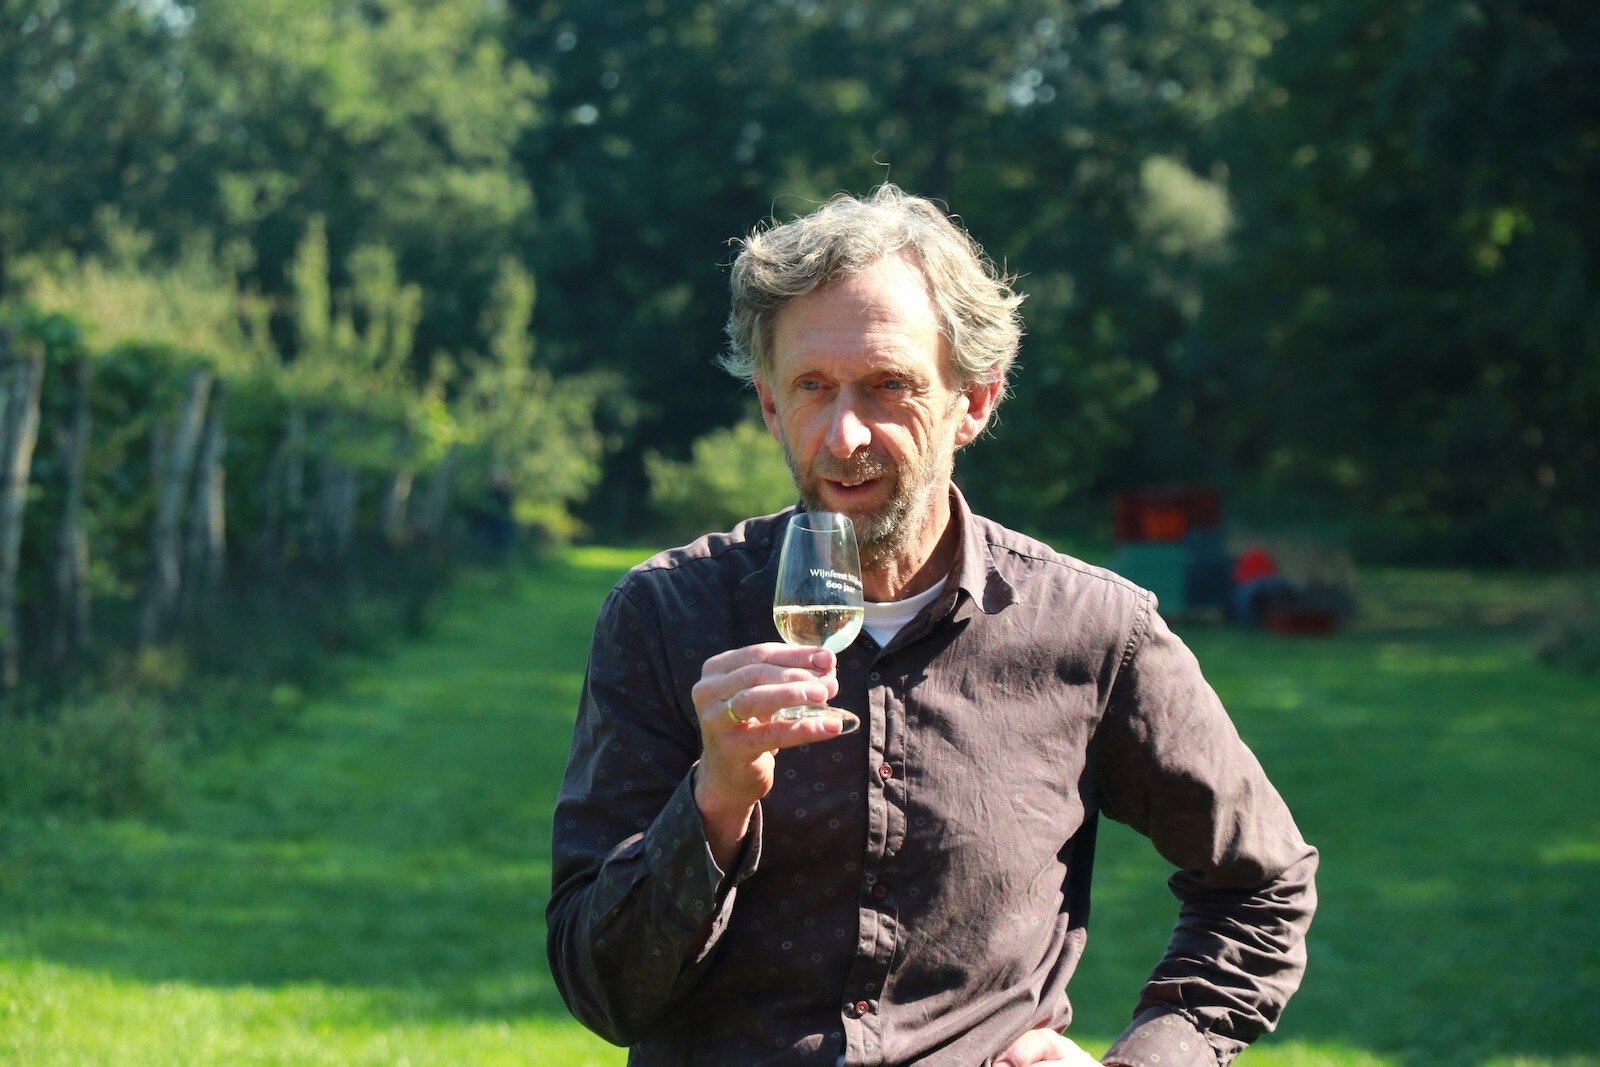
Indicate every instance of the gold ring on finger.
{"type": "Point", "coordinates": [731, 715]}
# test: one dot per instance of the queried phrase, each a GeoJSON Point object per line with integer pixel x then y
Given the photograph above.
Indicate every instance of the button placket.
{"type": "Point", "coordinates": [878, 928]}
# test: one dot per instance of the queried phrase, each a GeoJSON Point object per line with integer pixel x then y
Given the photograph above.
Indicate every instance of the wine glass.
{"type": "Point", "coordinates": [818, 600]}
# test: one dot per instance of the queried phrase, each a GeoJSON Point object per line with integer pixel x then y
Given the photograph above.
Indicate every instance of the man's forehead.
{"type": "Point", "coordinates": [901, 266]}
{"type": "Point", "coordinates": [891, 290]}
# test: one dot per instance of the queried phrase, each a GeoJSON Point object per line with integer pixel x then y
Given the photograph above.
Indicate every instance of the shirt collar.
{"type": "Point", "coordinates": [975, 572]}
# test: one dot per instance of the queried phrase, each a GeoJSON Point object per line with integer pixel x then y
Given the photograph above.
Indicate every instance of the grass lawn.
{"type": "Point", "coordinates": [369, 888]}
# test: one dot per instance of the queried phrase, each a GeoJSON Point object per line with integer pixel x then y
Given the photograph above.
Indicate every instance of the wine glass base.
{"type": "Point", "coordinates": [848, 722]}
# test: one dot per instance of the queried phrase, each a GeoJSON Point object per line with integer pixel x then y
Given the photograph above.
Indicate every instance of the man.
{"type": "Point", "coordinates": [730, 889]}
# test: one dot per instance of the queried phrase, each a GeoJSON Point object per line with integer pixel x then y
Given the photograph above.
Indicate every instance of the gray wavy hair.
{"type": "Point", "coordinates": [977, 307]}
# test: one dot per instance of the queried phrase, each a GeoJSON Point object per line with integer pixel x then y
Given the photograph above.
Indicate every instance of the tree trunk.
{"type": "Point", "coordinates": [269, 539]}
{"type": "Point", "coordinates": [397, 497]}
{"type": "Point", "coordinates": [21, 378]}
{"type": "Point", "coordinates": [173, 471]}
{"type": "Point", "coordinates": [71, 631]}
{"type": "Point", "coordinates": [291, 543]}
{"type": "Point", "coordinates": [435, 509]}
{"type": "Point", "coordinates": [207, 517]}
{"type": "Point", "coordinates": [396, 504]}
{"type": "Point", "coordinates": [336, 512]}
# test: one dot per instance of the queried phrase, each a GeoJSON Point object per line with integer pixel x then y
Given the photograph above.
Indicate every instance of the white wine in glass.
{"type": "Point", "coordinates": [818, 599]}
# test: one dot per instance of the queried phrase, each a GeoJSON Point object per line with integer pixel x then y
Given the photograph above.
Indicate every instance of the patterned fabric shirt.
{"type": "Point", "coordinates": [916, 892]}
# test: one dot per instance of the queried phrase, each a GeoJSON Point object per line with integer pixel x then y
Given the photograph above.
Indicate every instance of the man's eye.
{"type": "Point", "coordinates": [808, 385]}
{"type": "Point", "coordinates": [895, 384]}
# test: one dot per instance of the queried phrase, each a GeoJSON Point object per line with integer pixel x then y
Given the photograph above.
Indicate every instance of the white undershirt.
{"type": "Point", "coordinates": [886, 619]}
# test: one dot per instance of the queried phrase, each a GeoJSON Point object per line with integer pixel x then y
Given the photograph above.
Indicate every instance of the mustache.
{"type": "Point", "coordinates": [858, 468]}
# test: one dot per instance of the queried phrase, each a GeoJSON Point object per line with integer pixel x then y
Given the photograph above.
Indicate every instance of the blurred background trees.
{"type": "Point", "coordinates": [306, 280]}
{"type": "Point", "coordinates": [1329, 257]}
{"type": "Point", "coordinates": [1414, 276]}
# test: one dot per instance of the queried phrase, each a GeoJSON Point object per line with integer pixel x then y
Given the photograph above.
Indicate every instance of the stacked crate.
{"type": "Point", "coordinates": [1171, 542]}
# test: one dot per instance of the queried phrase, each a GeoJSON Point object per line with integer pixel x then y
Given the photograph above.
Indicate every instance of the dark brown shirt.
{"type": "Point", "coordinates": [915, 892]}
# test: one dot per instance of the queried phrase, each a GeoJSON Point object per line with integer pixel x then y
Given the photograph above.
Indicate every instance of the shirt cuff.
{"type": "Point", "coordinates": [701, 893]}
{"type": "Point", "coordinates": [1160, 1038]}
{"type": "Point", "coordinates": [749, 855]}
{"type": "Point", "coordinates": [679, 858]}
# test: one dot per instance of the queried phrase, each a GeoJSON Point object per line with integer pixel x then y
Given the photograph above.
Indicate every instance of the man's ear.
{"type": "Point", "coordinates": [769, 408]}
{"type": "Point", "coordinates": [979, 399]}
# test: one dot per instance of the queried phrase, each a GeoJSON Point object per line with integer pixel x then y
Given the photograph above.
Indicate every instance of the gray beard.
{"type": "Point", "coordinates": [880, 534]}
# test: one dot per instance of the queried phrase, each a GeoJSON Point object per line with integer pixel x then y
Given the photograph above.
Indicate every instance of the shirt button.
{"type": "Point", "coordinates": [873, 676]}
{"type": "Point", "coordinates": [860, 1008]}
{"type": "Point", "coordinates": [880, 891]}
{"type": "Point", "coordinates": [886, 772]}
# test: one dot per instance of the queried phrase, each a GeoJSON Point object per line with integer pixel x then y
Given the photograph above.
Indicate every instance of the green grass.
{"type": "Point", "coordinates": [369, 888]}
{"type": "Point", "coordinates": [366, 890]}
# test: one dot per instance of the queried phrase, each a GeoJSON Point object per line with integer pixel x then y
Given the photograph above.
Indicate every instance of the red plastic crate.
{"type": "Point", "coordinates": [1301, 621]}
{"type": "Point", "coordinates": [1165, 515]}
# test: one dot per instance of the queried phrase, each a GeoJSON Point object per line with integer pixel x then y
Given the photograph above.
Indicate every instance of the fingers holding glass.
{"type": "Point", "coordinates": [749, 686]}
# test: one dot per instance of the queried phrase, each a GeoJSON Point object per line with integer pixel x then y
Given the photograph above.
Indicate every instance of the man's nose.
{"type": "Point", "coordinates": [847, 434]}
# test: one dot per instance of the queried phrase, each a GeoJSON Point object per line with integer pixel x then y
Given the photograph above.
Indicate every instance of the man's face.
{"type": "Point", "coordinates": [861, 400]}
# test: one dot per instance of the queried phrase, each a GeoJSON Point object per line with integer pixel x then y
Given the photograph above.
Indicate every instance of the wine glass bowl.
{"type": "Point", "coordinates": [818, 599]}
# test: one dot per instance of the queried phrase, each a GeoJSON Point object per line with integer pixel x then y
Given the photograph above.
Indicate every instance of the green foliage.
{"type": "Point", "coordinates": [395, 118]}
{"type": "Point", "coordinates": [137, 387]}
{"type": "Point", "coordinates": [733, 474]}
{"type": "Point", "coordinates": [312, 203]}
{"type": "Point", "coordinates": [346, 402]}
{"type": "Point", "coordinates": [535, 433]}
{"type": "Point", "coordinates": [128, 294]}
{"type": "Point", "coordinates": [1331, 252]}
{"type": "Point", "coordinates": [1411, 182]}
{"type": "Point", "coordinates": [351, 365]}
{"type": "Point", "coordinates": [93, 119]}
{"type": "Point", "coordinates": [107, 755]}
{"type": "Point", "coordinates": [1181, 213]}
{"type": "Point", "coordinates": [674, 130]}
{"type": "Point", "coordinates": [1281, 247]}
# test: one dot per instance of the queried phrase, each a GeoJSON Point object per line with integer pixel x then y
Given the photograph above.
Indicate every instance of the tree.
{"type": "Point", "coordinates": [395, 119]}
{"type": "Point", "coordinates": [351, 387]}
{"type": "Point", "coordinates": [94, 117]}
{"type": "Point", "coordinates": [174, 455]}
{"type": "Point", "coordinates": [672, 129]}
{"type": "Point", "coordinates": [21, 380]}
{"type": "Point", "coordinates": [1410, 325]}
{"type": "Point", "coordinates": [733, 473]}
{"type": "Point", "coordinates": [531, 436]}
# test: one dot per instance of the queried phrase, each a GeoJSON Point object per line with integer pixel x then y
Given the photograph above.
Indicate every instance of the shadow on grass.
{"type": "Point", "coordinates": [396, 842]}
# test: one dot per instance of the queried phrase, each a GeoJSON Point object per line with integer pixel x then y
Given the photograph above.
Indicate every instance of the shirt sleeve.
{"type": "Point", "coordinates": [637, 903]}
{"type": "Point", "coordinates": [1171, 765]}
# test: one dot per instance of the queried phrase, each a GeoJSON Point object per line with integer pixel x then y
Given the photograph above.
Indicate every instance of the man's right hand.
{"type": "Point", "coordinates": [738, 693]}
